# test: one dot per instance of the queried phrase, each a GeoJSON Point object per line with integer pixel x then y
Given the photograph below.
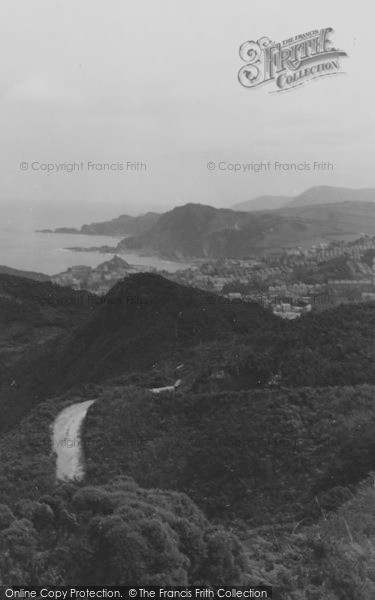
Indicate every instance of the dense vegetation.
{"type": "Point", "coordinates": [263, 447]}
{"type": "Point", "coordinates": [260, 456]}
{"type": "Point", "coordinates": [332, 348]}
{"type": "Point", "coordinates": [116, 534]}
{"type": "Point", "coordinates": [113, 534]}
{"type": "Point", "coordinates": [148, 323]}
{"type": "Point", "coordinates": [50, 535]}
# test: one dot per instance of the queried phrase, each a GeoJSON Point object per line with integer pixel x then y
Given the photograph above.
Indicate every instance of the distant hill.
{"type": "Point", "coordinates": [184, 231]}
{"type": "Point", "coordinates": [199, 231]}
{"type": "Point", "coordinates": [122, 225]}
{"type": "Point", "coordinates": [323, 194]}
{"type": "Point", "coordinates": [262, 203]}
{"type": "Point", "coordinates": [272, 223]}
{"type": "Point", "coordinates": [343, 218]}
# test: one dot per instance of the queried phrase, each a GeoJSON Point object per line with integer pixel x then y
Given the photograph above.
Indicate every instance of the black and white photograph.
{"type": "Point", "coordinates": [187, 300]}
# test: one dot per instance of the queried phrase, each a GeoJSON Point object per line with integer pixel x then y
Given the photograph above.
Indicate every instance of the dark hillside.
{"type": "Point", "coordinates": [33, 312]}
{"type": "Point", "coordinates": [142, 320]}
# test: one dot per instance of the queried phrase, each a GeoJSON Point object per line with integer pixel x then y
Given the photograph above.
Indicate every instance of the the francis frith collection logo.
{"type": "Point", "coordinates": [290, 63]}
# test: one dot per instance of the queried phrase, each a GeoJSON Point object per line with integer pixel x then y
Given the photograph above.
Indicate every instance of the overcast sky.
{"type": "Point", "coordinates": [118, 80]}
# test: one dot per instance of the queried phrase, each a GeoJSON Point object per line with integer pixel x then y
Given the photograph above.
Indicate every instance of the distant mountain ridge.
{"type": "Point", "coordinates": [199, 231]}
{"type": "Point", "coordinates": [318, 215]}
{"type": "Point", "coordinates": [323, 194]}
{"type": "Point", "coordinates": [342, 217]}
{"type": "Point", "coordinates": [262, 203]}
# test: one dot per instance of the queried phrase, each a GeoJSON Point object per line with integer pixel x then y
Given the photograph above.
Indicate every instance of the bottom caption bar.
{"type": "Point", "coordinates": [139, 593]}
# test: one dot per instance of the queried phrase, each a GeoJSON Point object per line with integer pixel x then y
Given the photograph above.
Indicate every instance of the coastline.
{"type": "Point", "coordinates": [184, 262]}
{"type": "Point", "coordinates": [73, 231]}
{"type": "Point", "coordinates": [29, 251]}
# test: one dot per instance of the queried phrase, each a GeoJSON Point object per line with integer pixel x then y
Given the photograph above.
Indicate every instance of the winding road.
{"type": "Point", "coordinates": [67, 442]}
{"type": "Point", "coordinates": [66, 437]}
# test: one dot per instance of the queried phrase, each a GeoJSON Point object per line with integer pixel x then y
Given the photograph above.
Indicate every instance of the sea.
{"type": "Point", "coordinates": [47, 252]}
